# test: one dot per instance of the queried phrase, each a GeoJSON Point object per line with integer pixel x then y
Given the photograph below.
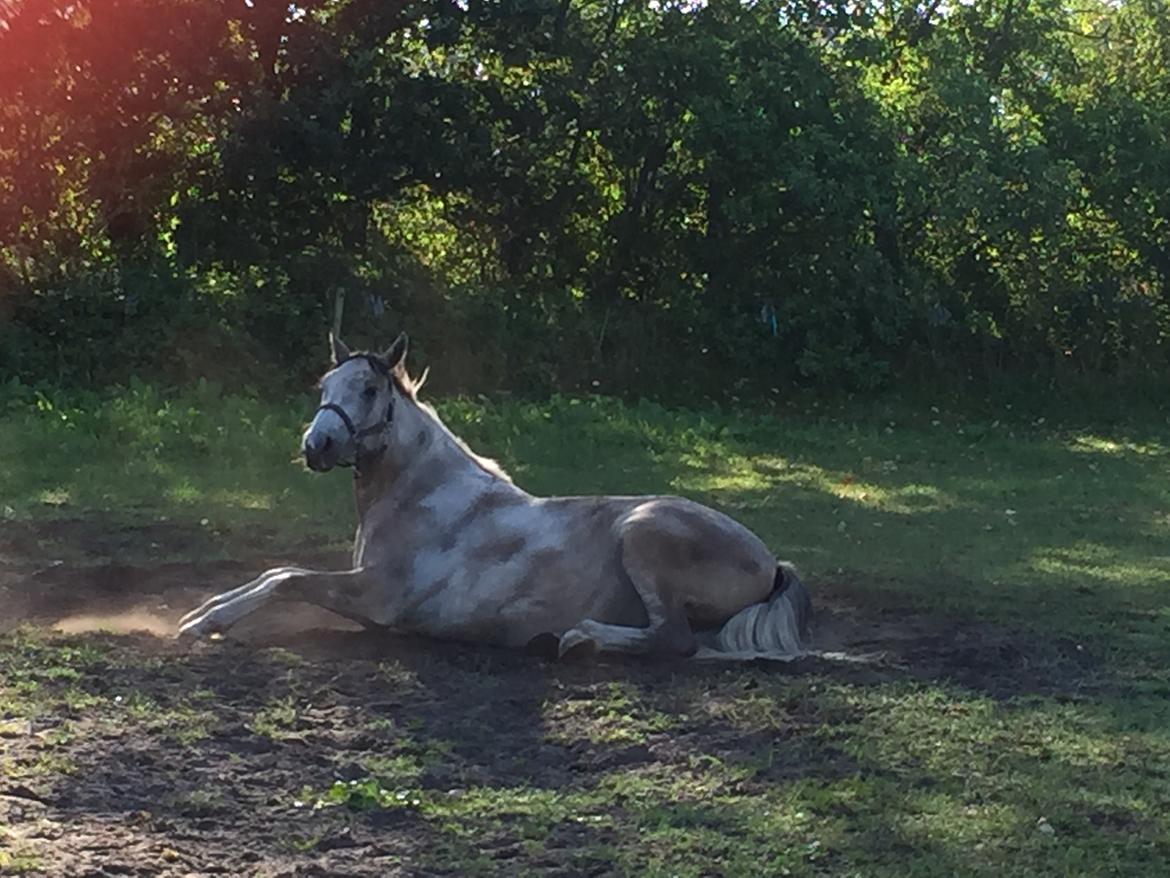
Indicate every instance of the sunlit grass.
{"type": "Point", "coordinates": [976, 517]}
{"type": "Point", "coordinates": [184, 493]}
{"type": "Point", "coordinates": [55, 497]}
{"type": "Point", "coordinates": [1092, 562]}
{"type": "Point", "coordinates": [1089, 444]}
{"type": "Point", "coordinates": [733, 473]}
{"type": "Point", "coordinates": [242, 499]}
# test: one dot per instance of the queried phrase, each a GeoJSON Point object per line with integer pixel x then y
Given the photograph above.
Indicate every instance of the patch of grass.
{"type": "Point", "coordinates": [41, 766]}
{"type": "Point", "coordinates": [183, 724]}
{"type": "Point", "coordinates": [284, 656]}
{"type": "Point", "coordinates": [301, 844]}
{"type": "Point", "coordinates": [402, 769]}
{"type": "Point", "coordinates": [16, 863]}
{"type": "Point", "coordinates": [366, 794]}
{"type": "Point", "coordinates": [200, 802]}
{"type": "Point", "coordinates": [893, 779]}
{"type": "Point", "coordinates": [945, 776]}
{"type": "Point", "coordinates": [61, 735]}
{"type": "Point", "coordinates": [276, 720]}
{"type": "Point", "coordinates": [171, 461]}
{"type": "Point", "coordinates": [39, 672]}
{"type": "Point", "coordinates": [610, 714]}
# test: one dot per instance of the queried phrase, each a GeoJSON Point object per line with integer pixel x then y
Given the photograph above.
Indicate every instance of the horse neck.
{"type": "Point", "coordinates": [421, 454]}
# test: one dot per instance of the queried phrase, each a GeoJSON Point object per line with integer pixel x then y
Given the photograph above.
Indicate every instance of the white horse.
{"type": "Point", "coordinates": [447, 546]}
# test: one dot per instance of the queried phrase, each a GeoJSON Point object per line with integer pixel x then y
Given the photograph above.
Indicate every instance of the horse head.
{"type": "Point", "coordinates": [358, 397]}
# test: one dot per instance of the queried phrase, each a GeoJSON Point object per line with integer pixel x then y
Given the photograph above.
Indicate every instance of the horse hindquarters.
{"type": "Point", "coordinates": [690, 566]}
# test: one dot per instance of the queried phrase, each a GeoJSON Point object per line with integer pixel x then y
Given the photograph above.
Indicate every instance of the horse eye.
{"type": "Point", "coordinates": [370, 392]}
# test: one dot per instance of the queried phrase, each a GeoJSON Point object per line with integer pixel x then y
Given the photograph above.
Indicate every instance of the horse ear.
{"type": "Point", "coordinates": [338, 349]}
{"type": "Point", "coordinates": [395, 355]}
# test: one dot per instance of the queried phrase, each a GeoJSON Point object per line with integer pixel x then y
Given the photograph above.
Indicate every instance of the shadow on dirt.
{"type": "Point", "coordinates": [217, 758]}
{"type": "Point", "coordinates": [225, 757]}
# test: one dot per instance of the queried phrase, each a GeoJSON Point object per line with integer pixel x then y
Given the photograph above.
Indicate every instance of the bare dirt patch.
{"type": "Point", "coordinates": [156, 758]}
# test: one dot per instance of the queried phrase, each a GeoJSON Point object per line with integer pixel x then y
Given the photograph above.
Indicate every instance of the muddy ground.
{"type": "Point", "coordinates": [151, 757]}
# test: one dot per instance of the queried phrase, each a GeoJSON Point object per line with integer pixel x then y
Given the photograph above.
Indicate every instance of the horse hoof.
{"type": "Point", "coordinates": [575, 645]}
{"type": "Point", "coordinates": [188, 632]}
{"type": "Point", "coordinates": [196, 629]}
{"type": "Point", "coordinates": [545, 646]}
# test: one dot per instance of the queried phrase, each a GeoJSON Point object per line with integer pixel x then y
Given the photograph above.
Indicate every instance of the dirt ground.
{"type": "Point", "coordinates": [145, 797]}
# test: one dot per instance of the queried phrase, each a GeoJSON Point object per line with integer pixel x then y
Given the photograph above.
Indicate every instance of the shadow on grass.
{"type": "Point", "coordinates": [495, 763]}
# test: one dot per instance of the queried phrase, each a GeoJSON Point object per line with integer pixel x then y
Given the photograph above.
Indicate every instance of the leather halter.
{"type": "Point", "coordinates": [355, 434]}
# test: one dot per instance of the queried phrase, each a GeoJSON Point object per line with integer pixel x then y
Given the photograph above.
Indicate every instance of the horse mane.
{"type": "Point", "coordinates": [410, 387]}
{"type": "Point", "coordinates": [407, 385]}
{"type": "Point", "coordinates": [491, 467]}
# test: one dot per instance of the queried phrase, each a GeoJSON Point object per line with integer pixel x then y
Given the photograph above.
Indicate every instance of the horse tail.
{"type": "Point", "coordinates": [778, 626]}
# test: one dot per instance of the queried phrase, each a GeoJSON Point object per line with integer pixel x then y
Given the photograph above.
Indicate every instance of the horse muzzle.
{"type": "Point", "coordinates": [321, 455]}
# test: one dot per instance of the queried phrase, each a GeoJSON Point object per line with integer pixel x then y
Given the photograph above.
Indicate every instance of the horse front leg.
{"type": "Point", "coordinates": [349, 593]}
{"type": "Point", "coordinates": [223, 597]}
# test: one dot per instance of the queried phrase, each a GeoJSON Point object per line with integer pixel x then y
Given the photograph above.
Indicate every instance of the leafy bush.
{"type": "Point", "coordinates": [666, 198]}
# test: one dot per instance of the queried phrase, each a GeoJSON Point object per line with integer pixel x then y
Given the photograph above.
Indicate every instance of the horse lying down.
{"type": "Point", "coordinates": [449, 547]}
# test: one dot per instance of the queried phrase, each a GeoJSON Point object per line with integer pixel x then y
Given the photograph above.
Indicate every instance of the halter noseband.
{"type": "Point", "coordinates": [355, 434]}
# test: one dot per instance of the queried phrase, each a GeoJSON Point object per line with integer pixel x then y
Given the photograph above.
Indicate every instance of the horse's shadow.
{"type": "Point", "coordinates": [292, 716]}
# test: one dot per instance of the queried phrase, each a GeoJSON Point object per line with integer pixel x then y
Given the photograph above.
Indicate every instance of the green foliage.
{"type": "Point", "coordinates": [550, 194]}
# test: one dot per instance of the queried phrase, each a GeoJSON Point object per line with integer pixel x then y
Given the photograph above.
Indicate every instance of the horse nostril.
{"type": "Point", "coordinates": [327, 444]}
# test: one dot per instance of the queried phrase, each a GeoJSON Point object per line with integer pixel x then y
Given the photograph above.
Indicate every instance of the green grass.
{"type": "Point", "coordinates": [1055, 529]}
{"type": "Point", "coordinates": [1011, 518]}
{"type": "Point", "coordinates": [899, 780]}
{"type": "Point", "coordinates": [12, 863]}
